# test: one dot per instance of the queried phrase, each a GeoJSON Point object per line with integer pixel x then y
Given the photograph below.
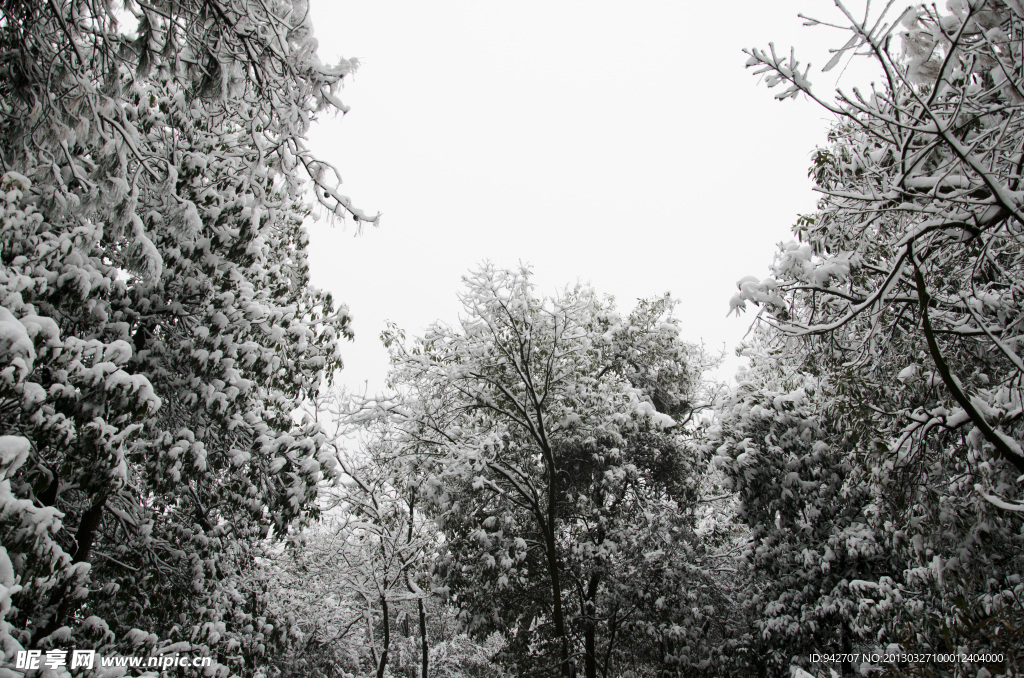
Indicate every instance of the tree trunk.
{"type": "Point", "coordinates": [848, 669]}
{"type": "Point", "coordinates": [549, 544]}
{"type": "Point", "coordinates": [556, 592]}
{"type": "Point", "coordinates": [668, 661]}
{"type": "Point", "coordinates": [590, 661]}
{"type": "Point", "coordinates": [87, 528]}
{"type": "Point", "coordinates": [612, 628]}
{"type": "Point", "coordinates": [590, 627]}
{"type": "Point", "coordinates": [423, 637]}
{"type": "Point", "coordinates": [84, 537]}
{"type": "Point", "coordinates": [387, 638]}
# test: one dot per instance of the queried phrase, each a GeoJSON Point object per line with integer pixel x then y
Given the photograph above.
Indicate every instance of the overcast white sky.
{"type": "Point", "coordinates": [622, 144]}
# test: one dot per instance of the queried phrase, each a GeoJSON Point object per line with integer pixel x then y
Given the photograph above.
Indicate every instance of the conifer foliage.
{"type": "Point", "coordinates": [157, 329]}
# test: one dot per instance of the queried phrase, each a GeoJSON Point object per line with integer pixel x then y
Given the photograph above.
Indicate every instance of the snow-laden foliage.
{"type": "Point", "coordinates": [358, 584]}
{"type": "Point", "coordinates": [104, 105]}
{"type": "Point", "coordinates": [309, 582]}
{"type": "Point", "coordinates": [915, 247]}
{"type": "Point", "coordinates": [157, 329]}
{"type": "Point", "coordinates": [385, 550]}
{"type": "Point", "coordinates": [857, 542]}
{"type": "Point", "coordinates": [875, 442]}
{"type": "Point", "coordinates": [549, 438]}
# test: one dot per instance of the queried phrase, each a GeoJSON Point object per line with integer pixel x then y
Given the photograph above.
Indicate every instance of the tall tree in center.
{"type": "Point", "coordinates": [550, 433]}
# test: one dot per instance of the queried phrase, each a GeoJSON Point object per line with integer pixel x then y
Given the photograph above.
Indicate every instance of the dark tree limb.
{"type": "Point", "coordinates": [382, 664]}
{"type": "Point", "coordinates": [961, 398]}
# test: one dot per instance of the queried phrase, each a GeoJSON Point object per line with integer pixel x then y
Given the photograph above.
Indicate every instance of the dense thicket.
{"type": "Point", "coordinates": [875, 442]}
{"type": "Point", "coordinates": [157, 329]}
{"type": "Point", "coordinates": [549, 440]}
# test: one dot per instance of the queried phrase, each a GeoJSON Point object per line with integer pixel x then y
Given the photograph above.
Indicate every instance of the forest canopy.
{"type": "Point", "coordinates": [550, 485]}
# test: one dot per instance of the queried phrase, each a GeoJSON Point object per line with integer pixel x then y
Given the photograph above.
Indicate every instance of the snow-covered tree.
{"type": "Point", "coordinates": [359, 582]}
{"type": "Point", "coordinates": [876, 440]}
{"type": "Point", "coordinates": [918, 231]}
{"type": "Point", "coordinates": [550, 436]}
{"type": "Point", "coordinates": [329, 581]}
{"type": "Point", "coordinates": [782, 446]}
{"type": "Point", "coordinates": [158, 325]}
{"type": "Point", "coordinates": [388, 544]}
